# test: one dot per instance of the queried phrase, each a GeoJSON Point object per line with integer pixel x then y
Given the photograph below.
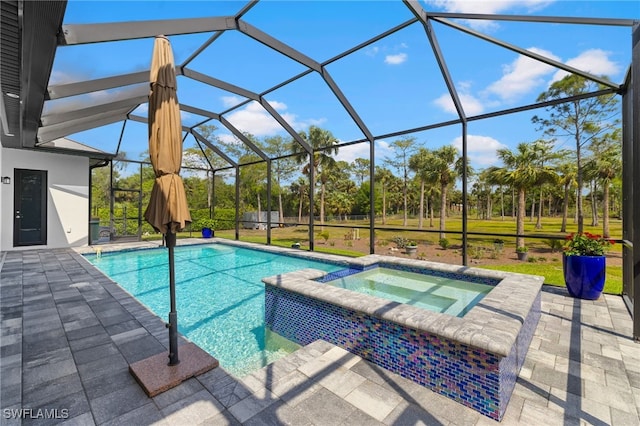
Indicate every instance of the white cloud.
{"type": "Point", "coordinates": [480, 149]}
{"type": "Point", "coordinates": [594, 61]}
{"type": "Point", "coordinates": [361, 150]}
{"type": "Point", "coordinates": [395, 59]}
{"type": "Point", "coordinates": [522, 75]}
{"type": "Point", "coordinates": [254, 119]}
{"type": "Point", "coordinates": [470, 104]}
{"type": "Point", "coordinates": [486, 7]}
{"type": "Point", "coordinates": [229, 101]}
{"type": "Point", "coordinates": [482, 6]}
{"type": "Point", "coordinates": [64, 77]}
{"type": "Point", "coordinates": [372, 51]}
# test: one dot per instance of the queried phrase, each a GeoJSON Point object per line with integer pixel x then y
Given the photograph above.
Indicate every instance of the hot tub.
{"type": "Point", "coordinates": [422, 289]}
{"type": "Point", "coordinates": [473, 359]}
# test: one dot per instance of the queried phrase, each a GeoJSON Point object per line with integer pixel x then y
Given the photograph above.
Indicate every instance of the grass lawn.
{"type": "Point", "coordinates": [537, 240]}
{"type": "Point", "coordinates": [552, 273]}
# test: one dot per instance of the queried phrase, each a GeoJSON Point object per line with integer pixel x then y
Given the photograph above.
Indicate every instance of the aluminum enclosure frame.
{"type": "Point", "coordinates": [37, 28]}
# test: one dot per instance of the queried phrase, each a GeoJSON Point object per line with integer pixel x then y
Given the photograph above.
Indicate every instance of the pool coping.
{"type": "Point", "coordinates": [492, 325]}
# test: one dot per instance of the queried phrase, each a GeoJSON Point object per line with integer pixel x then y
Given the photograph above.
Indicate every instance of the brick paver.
{"type": "Point", "coordinates": [68, 334]}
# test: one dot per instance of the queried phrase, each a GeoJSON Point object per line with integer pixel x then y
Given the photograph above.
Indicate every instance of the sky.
{"type": "Point", "coordinates": [393, 84]}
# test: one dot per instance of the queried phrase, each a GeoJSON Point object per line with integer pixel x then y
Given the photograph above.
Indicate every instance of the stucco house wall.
{"type": "Point", "coordinates": [67, 197]}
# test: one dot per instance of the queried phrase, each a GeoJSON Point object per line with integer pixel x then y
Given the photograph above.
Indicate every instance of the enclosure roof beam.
{"type": "Point", "coordinates": [370, 41]}
{"type": "Point", "coordinates": [277, 45]}
{"type": "Point", "coordinates": [212, 147]}
{"type": "Point", "coordinates": [55, 131]}
{"type": "Point", "coordinates": [237, 133]}
{"type": "Point", "coordinates": [419, 12]}
{"type": "Point", "coordinates": [140, 119]}
{"type": "Point", "coordinates": [271, 110]}
{"type": "Point", "coordinates": [74, 34]}
{"type": "Point", "coordinates": [211, 81]}
{"type": "Point", "coordinates": [88, 109]}
{"type": "Point", "coordinates": [203, 78]}
{"type": "Point", "coordinates": [529, 53]}
{"type": "Point", "coordinates": [78, 88]}
{"type": "Point", "coordinates": [616, 22]}
{"type": "Point", "coordinates": [199, 111]}
{"type": "Point", "coordinates": [346, 104]}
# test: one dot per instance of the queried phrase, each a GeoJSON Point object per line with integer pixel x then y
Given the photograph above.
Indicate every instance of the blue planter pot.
{"type": "Point", "coordinates": [207, 233]}
{"type": "Point", "coordinates": [584, 275]}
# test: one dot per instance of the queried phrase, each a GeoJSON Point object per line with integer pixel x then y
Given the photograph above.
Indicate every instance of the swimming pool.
{"type": "Point", "coordinates": [435, 293]}
{"type": "Point", "coordinates": [473, 359]}
{"type": "Point", "coordinates": [220, 298]}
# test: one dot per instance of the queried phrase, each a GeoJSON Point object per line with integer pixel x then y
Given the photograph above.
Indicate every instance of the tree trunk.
{"type": "Point", "coordinates": [404, 194]}
{"type": "Point", "coordinates": [259, 213]}
{"type": "Point", "coordinates": [539, 220]}
{"type": "Point", "coordinates": [209, 190]}
{"type": "Point", "coordinates": [533, 205]}
{"type": "Point", "coordinates": [430, 212]}
{"type": "Point", "coordinates": [501, 203]}
{"type": "Point", "coordinates": [281, 215]}
{"type": "Point", "coordinates": [594, 205]}
{"type": "Point", "coordinates": [520, 218]}
{"type": "Point", "coordinates": [605, 209]}
{"type": "Point", "coordinates": [579, 211]}
{"type": "Point", "coordinates": [322, 203]}
{"type": "Point", "coordinates": [565, 209]}
{"type": "Point", "coordinates": [300, 206]}
{"type": "Point", "coordinates": [513, 203]}
{"type": "Point", "coordinates": [384, 204]}
{"type": "Point", "coordinates": [443, 210]}
{"type": "Point", "coordinates": [421, 203]}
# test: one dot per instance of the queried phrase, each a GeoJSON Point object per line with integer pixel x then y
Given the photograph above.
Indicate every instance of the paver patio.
{"type": "Point", "coordinates": [69, 333]}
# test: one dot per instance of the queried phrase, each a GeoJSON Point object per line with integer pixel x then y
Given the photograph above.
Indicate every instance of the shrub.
{"type": "Point", "coordinates": [586, 244]}
{"type": "Point", "coordinates": [555, 245]}
{"type": "Point", "coordinates": [444, 243]}
{"type": "Point", "coordinates": [226, 218]}
{"type": "Point", "coordinates": [204, 223]}
{"type": "Point", "coordinates": [476, 252]}
{"type": "Point", "coordinates": [324, 235]}
{"type": "Point", "coordinates": [401, 242]}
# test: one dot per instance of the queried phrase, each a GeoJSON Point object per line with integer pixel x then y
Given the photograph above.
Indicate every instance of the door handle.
{"type": "Point", "coordinates": [18, 215]}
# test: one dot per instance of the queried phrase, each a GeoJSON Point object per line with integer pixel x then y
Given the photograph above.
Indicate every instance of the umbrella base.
{"type": "Point", "coordinates": [155, 376]}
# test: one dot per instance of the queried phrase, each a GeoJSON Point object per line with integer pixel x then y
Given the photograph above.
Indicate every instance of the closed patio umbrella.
{"type": "Point", "coordinates": [167, 211]}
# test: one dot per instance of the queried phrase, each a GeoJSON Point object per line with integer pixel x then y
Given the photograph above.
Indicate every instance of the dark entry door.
{"type": "Point", "coordinates": [30, 207]}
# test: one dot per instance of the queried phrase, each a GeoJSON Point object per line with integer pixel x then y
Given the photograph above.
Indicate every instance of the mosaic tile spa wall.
{"type": "Point", "coordinates": [471, 376]}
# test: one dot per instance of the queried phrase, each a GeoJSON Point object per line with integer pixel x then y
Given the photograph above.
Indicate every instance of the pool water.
{"type": "Point", "coordinates": [438, 294]}
{"type": "Point", "coordinates": [219, 296]}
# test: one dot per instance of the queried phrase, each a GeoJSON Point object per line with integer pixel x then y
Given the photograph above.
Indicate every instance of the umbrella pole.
{"type": "Point", "coordinates": [173, 315]}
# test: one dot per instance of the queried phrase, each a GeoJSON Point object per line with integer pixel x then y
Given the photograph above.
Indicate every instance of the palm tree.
{"type": "Point", "coordinates": [544, 154]}
{"type": "Point", "coordinates": [403, 149]}
{"type": "Point", "coordinates": [567, 172]}
{"type": "Point", "coordinates": [300, 187]}
{"type": "Point", "coordinates": [522, 171]}
{"type": "Point", "coordinates": [322, 142]}
{"type": "Point", "coordinates": [608, 164]}
{"type": "Point", "coordinates": [496, 176]}
{"type": "Point", "coordinates": [384, 176]}
{"type": "Point", "coordinates": [420, 163]}
{"type": "Point", "coordinates": [583, 120]}
{"type": "Point", "coordinates": [444, 166]}
{"type": "Point", "coordinates": [283, 168]}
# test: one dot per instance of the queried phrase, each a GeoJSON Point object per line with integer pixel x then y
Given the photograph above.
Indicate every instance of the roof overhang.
{"type": "Point", "coordinates": [30, 33]}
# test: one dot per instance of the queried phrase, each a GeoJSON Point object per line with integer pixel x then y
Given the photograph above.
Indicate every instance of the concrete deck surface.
{"type": "Point", "coordinates": [69, 334]}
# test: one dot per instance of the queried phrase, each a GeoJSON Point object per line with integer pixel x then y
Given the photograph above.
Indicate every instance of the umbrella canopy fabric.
{"type": "Point", "coordinates": [167, 210]}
